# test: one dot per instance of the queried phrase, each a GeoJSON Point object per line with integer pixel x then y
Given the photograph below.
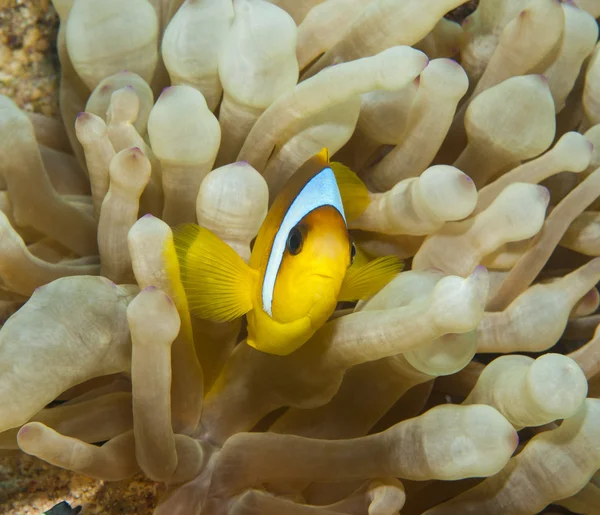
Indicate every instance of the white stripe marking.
{"type": "Point", "coordinates": [321, 190]}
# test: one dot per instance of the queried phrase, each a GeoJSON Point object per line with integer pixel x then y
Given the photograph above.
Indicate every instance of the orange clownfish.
{"type": "Point", "coordinates": [300, 265]}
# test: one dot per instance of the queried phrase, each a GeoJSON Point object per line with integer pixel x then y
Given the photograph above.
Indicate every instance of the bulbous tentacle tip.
{"type": "Point", "coordinates": [28, 434]}
{"type": "Point", "coordinates": [480, 271]}
{"type": "Point", "coordinates": [513, 440]}
{"type": "Point", "coordinates": [153, 289]}
{"type": "Point", "coordinates": [544, 195]}
{"type": "Point", "coordinates": [166, 91]}
{"type": "Point", "coordinates": [23, 431]}
{"type": "Point", "coordinates": [481, 278]}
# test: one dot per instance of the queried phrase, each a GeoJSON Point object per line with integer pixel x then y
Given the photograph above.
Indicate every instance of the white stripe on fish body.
{"type": "Point", "coordinates": [321, 190]}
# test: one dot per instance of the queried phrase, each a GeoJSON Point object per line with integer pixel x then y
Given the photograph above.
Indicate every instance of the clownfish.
{"type": "Point", "coordinates": [300, 265]}
{"type": "Point", "coordinates": [63, 508]}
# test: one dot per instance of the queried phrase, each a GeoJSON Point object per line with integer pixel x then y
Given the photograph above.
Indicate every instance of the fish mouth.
{"type": "Point", "coordinates": [327, 290]}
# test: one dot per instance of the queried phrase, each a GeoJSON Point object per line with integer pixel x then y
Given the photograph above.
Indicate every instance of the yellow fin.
{"type": "Point", "coordinates": [354, 193]}
{"type": "Point", "coordinates": [217, 281]}
{"type": "Point", "coordinates": [361, 258]}
{"type": "Point", "coordinates": [323, 154]}
{"type": "Point", "coordinates": [362, 282]}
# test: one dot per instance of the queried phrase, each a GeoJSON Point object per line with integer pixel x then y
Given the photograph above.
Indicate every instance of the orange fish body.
{"type": "Point", "coordinates": [303, 245]}
{"type": "Point", "coordinates": [298, 268]}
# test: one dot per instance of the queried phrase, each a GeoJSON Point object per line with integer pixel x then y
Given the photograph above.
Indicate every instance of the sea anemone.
{"type": "Point", "coordinates": [468, 384]}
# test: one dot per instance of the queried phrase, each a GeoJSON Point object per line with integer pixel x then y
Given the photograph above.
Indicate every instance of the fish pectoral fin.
{"type": "Point", "coordinates": [217, 281]}
{"type": "Point", "coordinates": [354, 193]}
{"type": "Point", "coordinates": [362, 282]}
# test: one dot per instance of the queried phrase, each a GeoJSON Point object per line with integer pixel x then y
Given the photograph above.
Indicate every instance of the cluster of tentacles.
{"type": "Point", "coordinates": [478, 144]}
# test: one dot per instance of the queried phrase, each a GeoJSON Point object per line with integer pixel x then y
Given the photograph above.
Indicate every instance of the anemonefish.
{"type": "Point", "coordinates": [300, 265]}
{"type": "Point", "coordinates": [63, 508]}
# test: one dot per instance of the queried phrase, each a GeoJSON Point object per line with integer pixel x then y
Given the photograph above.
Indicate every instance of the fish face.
{"type": "Point", "coordinates": [313, 267]}
{"type": "Point", "coordinates": [314, 263]}
{"type": "Point", "coordinates": [301, 254]}
{"type": "Point", "coordinates": [294, 221]}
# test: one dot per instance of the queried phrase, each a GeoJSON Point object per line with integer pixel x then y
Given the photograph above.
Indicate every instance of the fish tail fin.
{"type": "Point", "coordinates": [362, 282]}
{"type": "Point", "coordinates": [218, 283]}
{"type": "Point", "coordinates": [354, 192]}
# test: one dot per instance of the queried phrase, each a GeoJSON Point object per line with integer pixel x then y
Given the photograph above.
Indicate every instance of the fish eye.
{"type": "Point", "coordinates": [352, 252]}
{"type": "Point", "coordinates": [294, 241]}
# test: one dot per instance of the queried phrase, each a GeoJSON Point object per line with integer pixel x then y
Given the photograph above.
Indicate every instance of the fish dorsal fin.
{"type": "Point", "coordinates": [323, 155]}
{"type": "Point", "coordinates": [217, 281]}
{"type": "Point", "coordinates": [362, 282]}
{"type": "Point", "coordinates": [354, 193]}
